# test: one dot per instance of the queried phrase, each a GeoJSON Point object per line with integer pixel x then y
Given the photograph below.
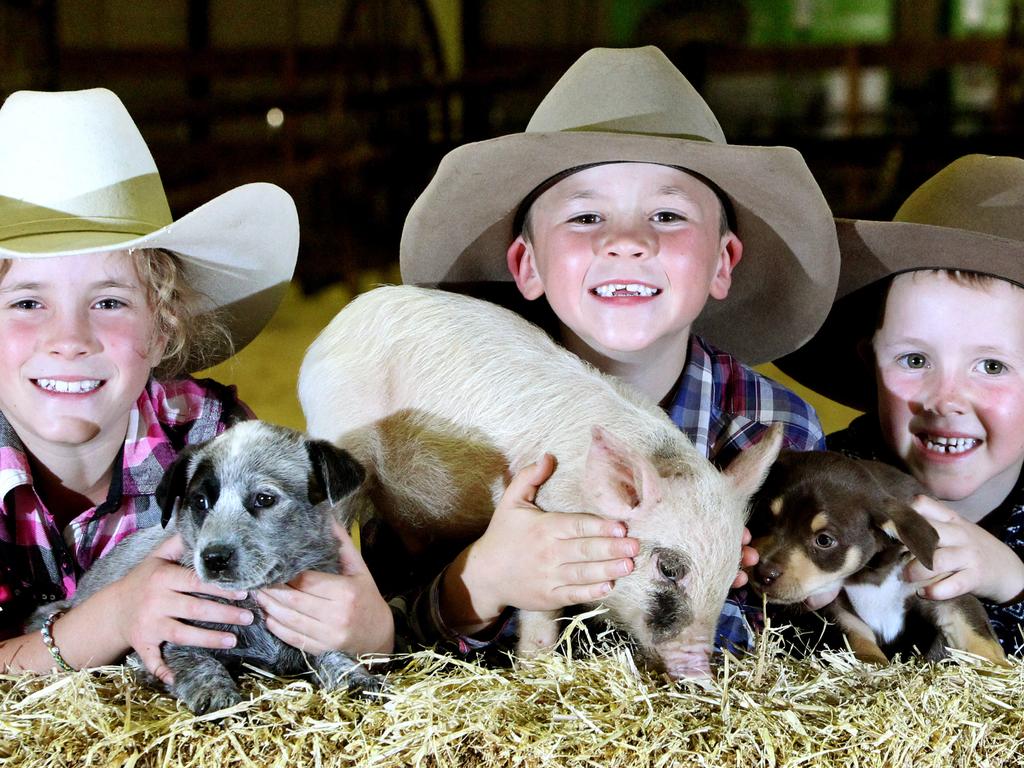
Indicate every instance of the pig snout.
{"type": "Point", "coordinates": [686, 662]}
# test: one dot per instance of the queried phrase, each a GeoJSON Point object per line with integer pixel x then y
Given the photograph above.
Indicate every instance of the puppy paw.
{"type": "Point", "coordinates": [203, 699]}
{"type": "Point", "coordinates": [335, 669]}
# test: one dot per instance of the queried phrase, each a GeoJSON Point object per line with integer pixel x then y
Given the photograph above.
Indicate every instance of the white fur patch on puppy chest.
{"type": "Point", "coordinates": [881, 606]}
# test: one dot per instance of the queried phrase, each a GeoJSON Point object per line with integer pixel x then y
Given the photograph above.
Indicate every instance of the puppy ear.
{"type": "Point", "coordinates": [172, 484]}
{"type": "Point", "coordinates": [903, 523]}
{"type": "Point", "coordinates": [335, 473]}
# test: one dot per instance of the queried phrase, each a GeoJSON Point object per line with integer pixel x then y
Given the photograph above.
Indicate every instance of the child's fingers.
{"type": "Point", "coordinates": [740, 580]}
{"type": "Point", "coordinates": [582, 593]}
{"type": "Point", "coordinates": [154, 663]}
{"type": "Point", "coordinates": [934, 511]}
{"type": "Point", "coordinates": [749, 557]}
{"type": "Point", "coordinates": [954, 585]}
{"type": "Point", "coordinates": [170, 549]}
{"type": "Point", "coordinates": [351, 559]}
{"type": "Point", "coordinates": [590, 549]}
{"type": "Point", "coordinates": [566, 525]}
{"type": "Point", "coordinates": [529, 479]}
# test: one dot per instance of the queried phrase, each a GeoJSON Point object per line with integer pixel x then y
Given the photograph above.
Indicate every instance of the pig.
{"type": "Point", "coordinates": [443, 397]}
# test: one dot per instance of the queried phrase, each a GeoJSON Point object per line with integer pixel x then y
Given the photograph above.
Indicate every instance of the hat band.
{"type": "Point", "coordinates": [53, 226]}
{"type": "Point", "coordinates": [607, 128]}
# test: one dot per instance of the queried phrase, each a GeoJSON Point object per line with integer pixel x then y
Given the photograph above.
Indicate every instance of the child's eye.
{"type": "Point", "coordinates": [992, 367]}
{"type": "Point", "coordinates": [913, 360]}
{"type": "Point", "coordinates": [585, 218]}
{"type": "Point", "coordinates": [109, 304]}
{"type": "Point", "coordinates": [26, 304]}
{"type": "Point", "coordinates": [668, 217]}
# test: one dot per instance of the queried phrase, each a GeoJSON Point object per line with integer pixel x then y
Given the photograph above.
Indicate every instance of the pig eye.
{"type": "Point", "coordinates": [825, 541]}
{"type": "Point", "coordinates": [671, 568]}
{"type": "Point", "coordinates": [263, 500]}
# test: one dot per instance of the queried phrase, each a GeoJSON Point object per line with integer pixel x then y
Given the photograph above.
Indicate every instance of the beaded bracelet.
{"type": "Point", "coordinates": [47, 633]}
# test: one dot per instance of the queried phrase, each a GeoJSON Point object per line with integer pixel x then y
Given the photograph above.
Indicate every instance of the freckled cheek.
{"type": "Point", "coordinates": [1001, 413]}
{"type": "Point", "coordinates": [897, 392]}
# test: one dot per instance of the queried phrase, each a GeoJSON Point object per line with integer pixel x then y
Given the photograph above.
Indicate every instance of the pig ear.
{"type": "Point", "coordinates": [749, 470]}
{"type": "Point", "coordinates": [618, 481]}
{"type": "Point", "coordinates": [902, 522]}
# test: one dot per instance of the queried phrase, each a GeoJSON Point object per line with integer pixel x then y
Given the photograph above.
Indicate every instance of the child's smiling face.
{"type": "Point", "coordinates": [949, 362]}
{"type": "Point", "coordinates": [77, 345]}
{"type": "Point", "coordinates": [627, 255]}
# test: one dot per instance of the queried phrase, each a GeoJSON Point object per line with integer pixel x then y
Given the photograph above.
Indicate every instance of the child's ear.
{"type": "Point", "coordinates": [521, 264]}
{"type": "Point", "coordinates": [730, 251]}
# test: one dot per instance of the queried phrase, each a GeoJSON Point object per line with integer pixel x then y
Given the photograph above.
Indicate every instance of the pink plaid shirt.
{"type": "Point", "coordinates": [40, 563]}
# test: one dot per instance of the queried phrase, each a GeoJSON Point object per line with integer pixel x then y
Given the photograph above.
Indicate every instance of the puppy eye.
{"type": "Point", "coordinates": [263, 500]}
{"type": "Point", "coordinates": [824, 541]}
{"type": "Point", "coordinates": [199, 502]}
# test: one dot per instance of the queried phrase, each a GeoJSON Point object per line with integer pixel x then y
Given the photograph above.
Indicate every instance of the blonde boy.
{"type": "Point", "coordinates": [625, 208]}
{"type": "Point", "coordinates": [928, 337]}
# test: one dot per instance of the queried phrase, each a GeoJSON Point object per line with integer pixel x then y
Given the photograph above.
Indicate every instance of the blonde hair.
{"type": "Point", "coordinates": [193, 335]}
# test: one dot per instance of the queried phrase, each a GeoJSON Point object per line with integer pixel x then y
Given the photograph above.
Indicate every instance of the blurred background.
{"type": "Point", "coordinates": [350, 104]}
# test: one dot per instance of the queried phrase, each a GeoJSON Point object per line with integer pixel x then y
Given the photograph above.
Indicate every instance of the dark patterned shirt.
{"type": "Point", "coordinates": [39, 562]}
{"type": "Point", "coordinates": [863, 440]}
{"type": "Point", "coordinates": [723, 406]}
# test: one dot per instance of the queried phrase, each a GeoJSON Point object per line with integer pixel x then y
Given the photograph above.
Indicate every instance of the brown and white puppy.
{"type": "Point", "coordinates": [823, 520]}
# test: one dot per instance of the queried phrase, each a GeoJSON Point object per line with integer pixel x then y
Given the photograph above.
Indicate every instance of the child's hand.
{"type": "Point", "coordinates": [748, 559]}
{"type": "Point", "coordinates": [534, 560]}
{"type": "Point", "coordinates": [968, 559]}
{"type": "Point", "coordinates": [318, 612]}
{"type": "Point", "coordinates": [153, 603]}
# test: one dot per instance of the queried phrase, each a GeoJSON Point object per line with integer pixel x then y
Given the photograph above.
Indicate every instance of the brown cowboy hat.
{"type": "Point", "coordinates": [969, 216]}
{"type": "Point", "coordinates": [633, 105]}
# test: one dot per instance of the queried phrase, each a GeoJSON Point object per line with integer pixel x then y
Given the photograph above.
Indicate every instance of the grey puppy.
{"type": "Point", "coordinates": [253, 507]}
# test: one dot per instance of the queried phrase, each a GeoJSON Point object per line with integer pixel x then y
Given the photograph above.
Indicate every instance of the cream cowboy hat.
{"type": "Point", "coordinates": [969, 216]}
{"type": "Point", "coordinates": [77, 177]}
{"type": "Point", "coordinates": [634, 105]}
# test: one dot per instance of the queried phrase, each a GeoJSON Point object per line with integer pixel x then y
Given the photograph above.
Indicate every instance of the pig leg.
{"type": "Point", "coordinates": [538, 633]}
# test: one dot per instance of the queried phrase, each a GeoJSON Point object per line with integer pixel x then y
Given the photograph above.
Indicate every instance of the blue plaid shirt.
{"type": "Point", "coordinates": [723, 406]}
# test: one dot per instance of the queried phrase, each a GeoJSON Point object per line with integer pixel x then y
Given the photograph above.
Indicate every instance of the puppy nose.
{"type": "Point", "coordinates": [216, 559]}
{"type": "Point", "coordinates": [767, 572]}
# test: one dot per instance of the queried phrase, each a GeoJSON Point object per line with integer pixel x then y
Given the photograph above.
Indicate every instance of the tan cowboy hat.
{"type": "Point", "coordinates": [634, 105]}
{"type": "Point", "coordinates": [969, 216]}
{"type": "Point", "coordinates": [77, 177]}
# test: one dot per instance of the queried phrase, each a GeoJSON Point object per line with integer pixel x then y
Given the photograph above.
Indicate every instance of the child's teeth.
{"type": "Point", "coordinates": [72, 387]}
{"type": "Point", "coordinates": [950, 444]}
{"type": "Point", "coordinates": [625, 289]}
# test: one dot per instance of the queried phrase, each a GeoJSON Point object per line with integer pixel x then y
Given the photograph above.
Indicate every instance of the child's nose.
{"type": "Point", "coordinates": [71, 335]}
{"type": "Point", "coordinates": [628, 240]}
{"type": "Point", "coordinates": [944, 394]}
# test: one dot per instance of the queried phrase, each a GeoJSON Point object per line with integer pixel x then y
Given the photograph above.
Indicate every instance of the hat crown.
{"type": "Point", "coordinates": [74, 161]}
{"type": "Point", "coordinates": [976, 193]}
{"type": "Point", "coordinates": [630, 90]}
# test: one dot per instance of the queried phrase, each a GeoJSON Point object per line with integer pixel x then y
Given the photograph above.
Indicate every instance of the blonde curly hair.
{"type": "Point", "coordinates": [193, 336]}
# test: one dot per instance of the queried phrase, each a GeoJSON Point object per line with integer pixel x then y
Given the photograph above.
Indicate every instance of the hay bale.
{"type": "Point", "coordinates": [766, 709]}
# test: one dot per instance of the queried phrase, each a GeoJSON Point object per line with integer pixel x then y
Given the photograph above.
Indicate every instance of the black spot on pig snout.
{"type": "Point", "coordinates": [667, 613]}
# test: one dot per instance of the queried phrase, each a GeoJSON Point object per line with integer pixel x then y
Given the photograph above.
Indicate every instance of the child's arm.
{"type": "Point", "coordinates": [534, 560]}
{"type": "Point", "coordinates": [324, 611]}
{"type": "Point", "coordinates": [974, 560]}
{"type": "Point", "coordinates": [139, 611]}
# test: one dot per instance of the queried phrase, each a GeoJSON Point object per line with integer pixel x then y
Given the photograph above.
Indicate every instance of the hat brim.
{"type": "Point", "coordinates": [872, 251]}
{"type": "Point", "coordinates": [239, 249]}
{"type": "Point", "coordinates": [460, 228]}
